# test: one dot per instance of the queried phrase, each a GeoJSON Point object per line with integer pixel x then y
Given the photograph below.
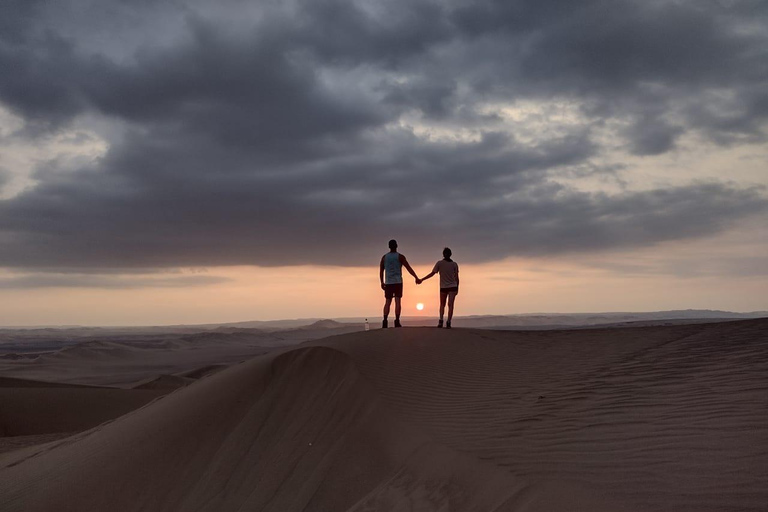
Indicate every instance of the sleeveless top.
{"type": "Point", "coordinates": [393, 273]}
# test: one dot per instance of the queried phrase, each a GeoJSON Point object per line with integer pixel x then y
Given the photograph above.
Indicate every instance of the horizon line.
{"type": "Point", "coordinates": [349, 319]}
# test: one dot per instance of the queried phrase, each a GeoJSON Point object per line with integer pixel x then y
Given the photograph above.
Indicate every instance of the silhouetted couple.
{"type": "Point", "coordinates": [391, 277]}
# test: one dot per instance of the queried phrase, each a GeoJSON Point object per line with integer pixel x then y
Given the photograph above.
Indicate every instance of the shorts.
{"type": "Point", "coordinates": [393, 290]}
{"type": "Point", "coordinates": [452, 289]}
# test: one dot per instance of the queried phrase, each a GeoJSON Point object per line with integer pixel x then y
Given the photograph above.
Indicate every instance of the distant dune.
{"type": "Point", "coordinates": [129, 360]}
{"type": "Point", "coordinates": [663, 418]}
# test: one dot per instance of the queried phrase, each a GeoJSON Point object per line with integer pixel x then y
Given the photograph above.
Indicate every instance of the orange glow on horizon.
{"type": "Point", "coordinates": [578, 283]}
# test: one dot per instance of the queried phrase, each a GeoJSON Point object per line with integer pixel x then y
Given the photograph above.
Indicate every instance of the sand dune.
{"type": "Point", "coordinates": [12, 356]}
{"type": "Point", "coordinates": [92, 351]}
{"type": "Point", "coordinates": [654, 418]}
{"type": "Point", "coordinates": [167, 382]}
{"type": "Point", "coordinates": [32, 411]}
{"type": "Point", "coordinates": [204, 371]}
{"type": "Point", "coordinates": [127, 361]}
{"type": "Point", "coordinates": [9, 382]}
{"type": "Point", "coordinates": [103, 363]}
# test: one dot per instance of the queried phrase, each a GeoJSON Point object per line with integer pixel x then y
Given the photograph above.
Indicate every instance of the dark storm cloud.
{"type": "Point", "coordinates": [733, 120]}
{"type": "Point", "coordinates": [650, 136]}
{"type": "Point", "coordinates": [276, 140]}
{"type": "Point", "coordinates": [623, 58]}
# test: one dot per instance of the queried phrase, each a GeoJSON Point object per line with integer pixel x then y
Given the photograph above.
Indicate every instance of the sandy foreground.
{"type": "Point", "coordinates": [645, 418]}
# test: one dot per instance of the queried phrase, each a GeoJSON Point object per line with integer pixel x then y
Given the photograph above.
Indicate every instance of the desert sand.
{"type": "Point", "coordinates": [662, 418]}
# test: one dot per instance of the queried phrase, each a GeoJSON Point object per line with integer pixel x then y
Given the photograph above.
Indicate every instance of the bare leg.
{"type": "Point", "coordinates": [398, 308]}
{"type": "Point", "coordinates": [451, 300]}
{"type": "Point", "coordinates": [386, 307]}
{"type": "Point", "coordinates": [442, 304]}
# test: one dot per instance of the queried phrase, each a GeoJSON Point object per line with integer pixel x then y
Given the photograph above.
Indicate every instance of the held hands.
{"type": "Point", "coordinates": [418, 281]}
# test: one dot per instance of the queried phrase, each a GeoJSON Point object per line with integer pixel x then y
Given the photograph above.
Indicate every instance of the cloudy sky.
{"type": "Point", "coordinates": [168, 161]}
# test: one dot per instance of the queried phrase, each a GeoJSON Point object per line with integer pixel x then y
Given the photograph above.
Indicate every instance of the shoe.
{"type": "Point", "coordinates": [384, 324]}
{"type": "Point", "coordinates": [397, 323]}
{"type": "Point", "coordinates": [440, 324]}
{"type": "Point", "coordinates": [448, 325]}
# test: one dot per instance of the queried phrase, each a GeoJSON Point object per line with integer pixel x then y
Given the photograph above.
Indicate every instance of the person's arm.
{"type": "Point", "coordinates": [381, 272]}
{"type": "Point", "coordinates": [457, 275]}
{"type": "Point", "coordinates": [409, 269]}
{"type": "Point", "coordinates": [434, 271]}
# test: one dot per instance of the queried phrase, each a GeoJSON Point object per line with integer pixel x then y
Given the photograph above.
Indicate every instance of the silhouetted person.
{"type": "Point", "coordinates": [449, 284]}
{"type": "Point", "coordinates": [392, 265]}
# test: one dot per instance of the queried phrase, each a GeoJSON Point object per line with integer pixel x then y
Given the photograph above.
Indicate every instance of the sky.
{"type": "Point", "coordinates": [181, 161]}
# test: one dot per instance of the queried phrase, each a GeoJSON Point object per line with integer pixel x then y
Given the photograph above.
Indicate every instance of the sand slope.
{"type": "Point", "coordinates": [32, 412]}
{"type": "Point", "coordinates": [655, 418]}
{"type": "Point", "coordinates": [35, 410]}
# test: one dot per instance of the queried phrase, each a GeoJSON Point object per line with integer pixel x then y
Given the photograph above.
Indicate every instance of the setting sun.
{"type": "Point", "coordinates": [419, 306]}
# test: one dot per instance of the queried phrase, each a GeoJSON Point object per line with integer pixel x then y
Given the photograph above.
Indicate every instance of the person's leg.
{"type": "Point", "coordinates": [443, 296]}
{"type": "Point", "coordinates": [398, 308]}
{"type": "Point", "coordinates": [451, 300]}
{"type": "Point", "coordinates": [387, 304]}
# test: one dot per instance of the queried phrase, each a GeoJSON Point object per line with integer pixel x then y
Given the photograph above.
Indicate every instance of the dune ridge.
{"type": "Point", "coordinates": [649, 418]}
